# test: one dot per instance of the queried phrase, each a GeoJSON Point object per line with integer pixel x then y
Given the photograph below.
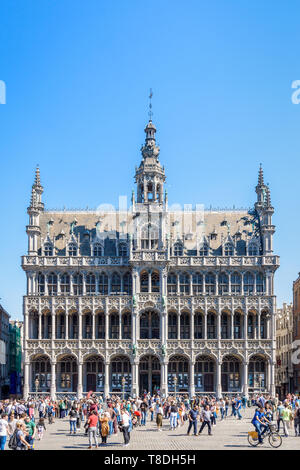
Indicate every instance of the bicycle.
{"type": "Point", "coordinates": [274, 438]}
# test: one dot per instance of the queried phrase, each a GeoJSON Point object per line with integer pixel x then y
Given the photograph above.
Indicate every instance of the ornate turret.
{"type": "Point", "coordinates": [265, 211]}
{"type": "Point", "coordinates": [150, 175]}
{"type": "Point", "coordinates": [36, 206]}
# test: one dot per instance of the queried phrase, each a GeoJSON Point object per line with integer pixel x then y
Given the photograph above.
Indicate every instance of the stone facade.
{"type": "Point", "coordinates": [284, 339]}
{"type": "Point", "coordinates": [150, 297]}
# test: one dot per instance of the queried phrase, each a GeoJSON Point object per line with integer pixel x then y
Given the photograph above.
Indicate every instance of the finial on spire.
{"type": "Point", "coordinates": [260, 176]}
{"type": "Point", "coordinates": [37, 179]}
{"type": "Point", "coordinates": [150, 105]}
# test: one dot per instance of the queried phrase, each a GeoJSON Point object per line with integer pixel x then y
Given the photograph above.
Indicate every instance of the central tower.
{"type": "Point", "coordinates": [150, 175]}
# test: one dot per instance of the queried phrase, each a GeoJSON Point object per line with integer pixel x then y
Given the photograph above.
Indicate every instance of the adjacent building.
{"type": "Point", "coordinates": [4, 352]}
{"type": "Point", "coordinates": [150, 297]}
{"type": "Point", "coordinates": [284, 340]}
{"type": "Point", "coordinates": [15, 357]}
{"type": "Point", "coordinates": [296, 332]}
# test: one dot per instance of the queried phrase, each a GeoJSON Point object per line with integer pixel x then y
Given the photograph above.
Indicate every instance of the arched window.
{"type": "Point", "coordinates": [248, 283]}
{"type": "Point", "coordinates": [41, 284]}
{"type": "Point", "coordinates": [149, 237]}
{"type": "Point", "coordinates": [260, 283]}
{"type": "Point", "coordinates": [210, 283]}
{"type": "Point", "coordinates": [52, 284]}
{"type": "Point", "coordinates": [149, 325]}
{"type": "Point", "coordinates": [60, 326]}
{"type": "Point", "coordinates": [198, 326]}
{"type": "Point", "coordinates": [203, 250]}
{"type": "Point", "coordinates": [103, 284]}
{"type": "Point", "coordinates": [115, 283]}
{"type": "Point", "coordinates": [204, 374]}
{"type": "Point", "coordinates": [100, 325]}
{"type": "Point", "coordinates": [72, 249]}
{"type": "Point", "coordinates": [236, 283]}
{"type": "Point", "coordinates": [172, 283]}
{"type": "Point", "coordinates": [68, 375]}
{"type": "Point", "coordinates": [172, 325]}
{"type": "Point", "coordinates": [144, 284]}
{"type": "Point", "coordinates": [178, 249]}
{"type": "Point", "coordinates": [127, 283]}
{"type": "Point", "coordinates": [223, 284]}
{"type": "Point", "coordinates": [120, 368]}
{"type": "Point", "coordinates": [48, 249]}
{"type": "Point", "coordinates": [264, 325]}
{"type": "Point", "coordinates": [73, 325]}
{"type": "Point", "coordinates": [225, 325]}
{"type": "Point", "coordinates": [114, 326]}
{"type": "Point", "coordinates": [65, 284]}
{"type": "Point", "coordinates": [155, 282]}
{"type": "Point", "coordinates": [228, 249]}
{"type": "Point", "coordinates": [98, 250]}
{"type": "Point", "coordinates": [197, 283]}
{"type": "Point", "coordinates": [257, 373]}
{"type": "Point", "coordinates": [252, 326]}
{"type": "Point", "coordinates": [184, 281]}
{"type": "Point", "coordinates": [126, 326]}
{"type": "Point", "coordinates": [46, 325]}
{"type": "Point", "coordinates": [87, 326]}
{"type": "Point", "coordinates": [237, 326]}
{"type": "Point", "coordinates": [178, 369]}
{"type": "Point", "coordinates": [185, 326]}
{"type": "Point", "coordinates": [77, 284]}
{"type": "Point", "coordinates": [41, 372]}
{"type": "Point", "coordinates": [253, 249]}
{"type": "Point", "coordinates": [123, 250]}
{"type": "Point", "coordinates": [230, 374]}
{"type": "Point", "coordinates": [211, 326]}
{"type": "Point", "coordinates": [95, 368]}
{"type": "Point", "coordinates": [90, 283]}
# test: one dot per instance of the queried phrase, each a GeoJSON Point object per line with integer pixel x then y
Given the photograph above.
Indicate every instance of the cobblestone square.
{"type": "Point", "coordinates": [227, 435]}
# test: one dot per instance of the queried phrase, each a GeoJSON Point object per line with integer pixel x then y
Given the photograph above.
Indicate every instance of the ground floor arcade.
{"type": "Point", "coordinates": [122, 375]}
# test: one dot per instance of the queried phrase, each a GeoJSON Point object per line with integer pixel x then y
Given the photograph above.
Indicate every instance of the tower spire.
{"type": "Point", "coordinates": [150, 113]}
{"type": "Point", "coordinates": [260, 176]}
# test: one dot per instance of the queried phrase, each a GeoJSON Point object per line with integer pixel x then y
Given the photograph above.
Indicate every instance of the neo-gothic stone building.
{"type": "Point", "coordinates": [151, 297]}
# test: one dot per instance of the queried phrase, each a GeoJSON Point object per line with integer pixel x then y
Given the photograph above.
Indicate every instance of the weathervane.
{"type": "Point", "coordinates": [150, 105]}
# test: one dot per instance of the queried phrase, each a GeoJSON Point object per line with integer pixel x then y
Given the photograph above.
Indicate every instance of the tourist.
{"type": "Point", "coordinates": [205, 419]}
{"type": "Point", "coordinates": [4, 430]}
{"type": "Point", "coordinates": [193, 416]}
{"type": "Point", "coordinates": [92, 423]}
{"type": "Point", "coordinates": [173, 416]}
{"type": "Point", "coordinates": [104, 427]}
{"type": "Point", "coordinates": [40, 428]}
{"type": "Point", "coordinates": [159, 415]}
{"type": "Point", "coordinates": [125, 423]}
{"type": "Point", "coordinates": [31, 430]}
{"type": "Point", "coordinates": [73, 415]}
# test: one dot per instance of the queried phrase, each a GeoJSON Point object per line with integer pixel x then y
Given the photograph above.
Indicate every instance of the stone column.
{"type": "Point", "coordinates": [232, 324]}
{"type": "Point", "coordinates": [164, 378]}
{"type": "Point", "coordinates": [191, 284]}
{"type": "Point", "coordinates": [120, 325]}
{"type": "Point", "coordinates": [245, 379]}
{"type": "Point", "coordinates": [192, 332]}
{"type": "Point", "coordinates": [53, 323]}
{"type": "Point", "coordinates": [218, 379]}
{"type": "Point", "coordinates": [192, 378]}
{"type": "Point", "coordinates": [93, 324]}
{"type": "Point", "coordinates": [79, 385]}
{"type": "Point", "coordinates": [205, 324]}
{"type": "Point", "coordinates": [79, 325]}
{"type": "Point", "coordinates": [40, 326]}
{"type": "Point", "coordinates": [135, 378]}
{"type": "Point", "coordinates": [178, 326]}
{"type": "Point", "coordinates": [53, 381]}
{"type": "Point", "coordinates": [219, 325]}
{"type": "Point", "coordinates": [26, 380]}
{"type": "Point", "coordinates": [106, 379]}
{"type": "Point", "coordinates": [106, 325]}
{"type": "Point", "coordinates": [245, 325]}
{"type": "Point", "coordinates": [66, 325]}
{"type": "Point", "coordinates": [149, 281]}
{"type": "Point", "coordinates": [258, 326]}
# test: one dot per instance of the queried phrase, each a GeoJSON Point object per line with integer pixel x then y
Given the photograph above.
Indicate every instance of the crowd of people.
{"type": "Point", "coordinates": [22, 422]}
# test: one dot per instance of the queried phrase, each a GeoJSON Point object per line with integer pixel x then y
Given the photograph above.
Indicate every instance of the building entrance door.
{"type": "Point", "coordinates": [91, 382]}
{"type": "Point", "coordinates": [144, 383]}
{"type": "Point", "coordinates": [155, 383]}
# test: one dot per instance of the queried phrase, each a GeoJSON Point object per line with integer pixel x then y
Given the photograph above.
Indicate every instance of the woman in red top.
{"type": "Point", "coordinates": [92, 428]}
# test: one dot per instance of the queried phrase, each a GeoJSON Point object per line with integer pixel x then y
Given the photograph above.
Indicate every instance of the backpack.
{"type": "Point", "coordinates": [13, 441]}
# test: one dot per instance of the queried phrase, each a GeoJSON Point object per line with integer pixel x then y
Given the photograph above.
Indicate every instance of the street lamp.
{"type": "Point", "coordinates": [175, 384]}
{"type": "Point", "coordinates": [123, 386]}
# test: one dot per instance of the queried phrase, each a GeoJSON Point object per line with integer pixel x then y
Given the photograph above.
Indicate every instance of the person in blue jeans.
{"type": "Point", "coordinates": [238, 407]}
{"type": "Point", "coordinates": [143, 409]}
{"type": "Point", "coordinates": [3, 430]}
{"type": "Point", "coordinates": [193, 415]}
{"type": "Point", "coordinates": [259, 422]}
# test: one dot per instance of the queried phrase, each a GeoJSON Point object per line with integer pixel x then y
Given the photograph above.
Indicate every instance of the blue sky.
{"type": "Point", "coordinates": [78, 74]}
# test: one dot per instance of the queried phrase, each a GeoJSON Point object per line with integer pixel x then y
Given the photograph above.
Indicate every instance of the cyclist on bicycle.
{"type": "Point", "coordinates": [260, 422]}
